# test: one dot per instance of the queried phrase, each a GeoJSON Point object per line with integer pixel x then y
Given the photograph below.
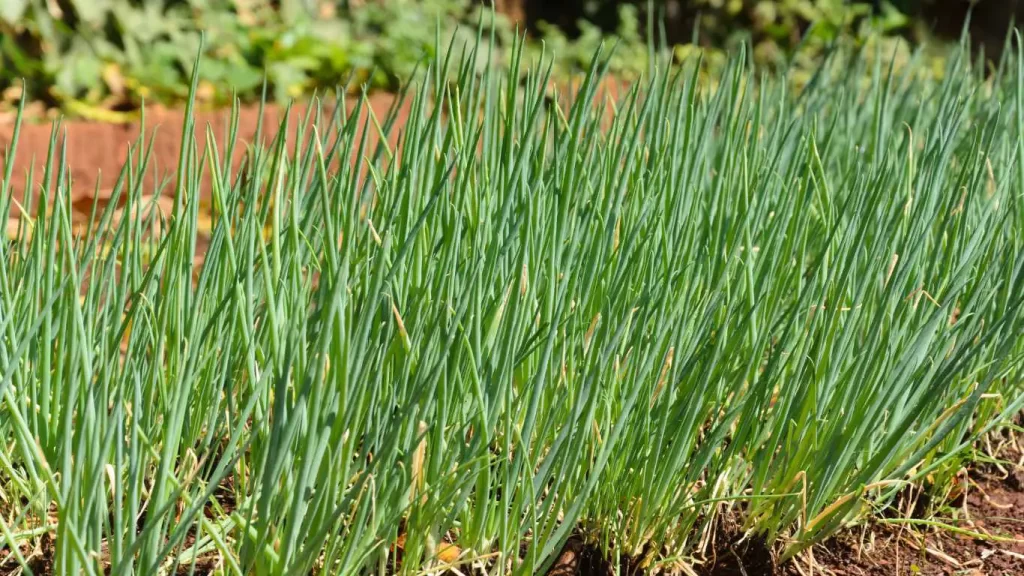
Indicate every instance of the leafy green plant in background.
{"type": "Point", "coordinates": [733, 300]}
{"type": "Point", "coordinates": [112, 54]}
{"type": "Point", "coordinates": [95, 58]}
{"type": "Point", "coordinates": [99, 56]}
{"type": "Point", "coordinates": [629, 59]}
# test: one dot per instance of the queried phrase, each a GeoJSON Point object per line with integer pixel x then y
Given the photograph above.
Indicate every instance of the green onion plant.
{"type": "Point", "coordinates": [516, 318]}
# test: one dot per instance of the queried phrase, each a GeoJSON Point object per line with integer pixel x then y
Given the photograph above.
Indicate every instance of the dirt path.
{"type": "Point", "coordinates": [97, 151]}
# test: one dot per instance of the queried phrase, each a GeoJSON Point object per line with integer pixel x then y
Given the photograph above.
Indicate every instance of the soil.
{"type": "Point", "coordinates": [97, 151]}
{"type": "Point", "coordinates": [993, 506]}
{"type": "Point", "coordinates": [730, 558]}
{"type": "Point", "coordinates": [734, 558]}
{"type": "Point", "coordinates": [41, 561]}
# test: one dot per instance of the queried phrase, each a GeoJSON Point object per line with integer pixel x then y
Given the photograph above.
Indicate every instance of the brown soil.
{"type": "Point", "coordinates": [97, 151]}
{"type": "Point", "coordinates": [730, 557]}
{"type": "Point", "coordinates": [993, 506]}
{"type": "Point", "coordinates": [735, 558]}
{"type": "Point", "coordinates": [41, 561]}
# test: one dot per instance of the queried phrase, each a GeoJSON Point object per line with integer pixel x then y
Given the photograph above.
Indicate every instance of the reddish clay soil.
{"type": "Point", "coordinates": [97, 151]}
{"type": "Point", "coordinates": [993, 506]}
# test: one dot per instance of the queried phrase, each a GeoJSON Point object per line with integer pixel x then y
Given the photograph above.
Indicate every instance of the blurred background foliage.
{"type": "Point", "coordinates": [101, 58]}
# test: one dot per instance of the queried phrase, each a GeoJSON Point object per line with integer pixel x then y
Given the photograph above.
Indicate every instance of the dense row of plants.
{"type": "Point", "coordinates": [629, 320]}
{"type": "Point", "coordinates": [101, 58]}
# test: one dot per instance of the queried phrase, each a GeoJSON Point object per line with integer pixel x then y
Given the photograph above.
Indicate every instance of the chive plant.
{"type": "Point", "coordinates": [741, 305]}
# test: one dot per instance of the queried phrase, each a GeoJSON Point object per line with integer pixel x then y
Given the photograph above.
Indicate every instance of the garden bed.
{"type": "Point", "coordinates": [719, 311]}
{"type": "Point", "coordinates": [990, 516]}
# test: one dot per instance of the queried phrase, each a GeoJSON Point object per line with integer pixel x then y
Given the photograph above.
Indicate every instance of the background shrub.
{"type": "Point", "coordinates": [96, 58]}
